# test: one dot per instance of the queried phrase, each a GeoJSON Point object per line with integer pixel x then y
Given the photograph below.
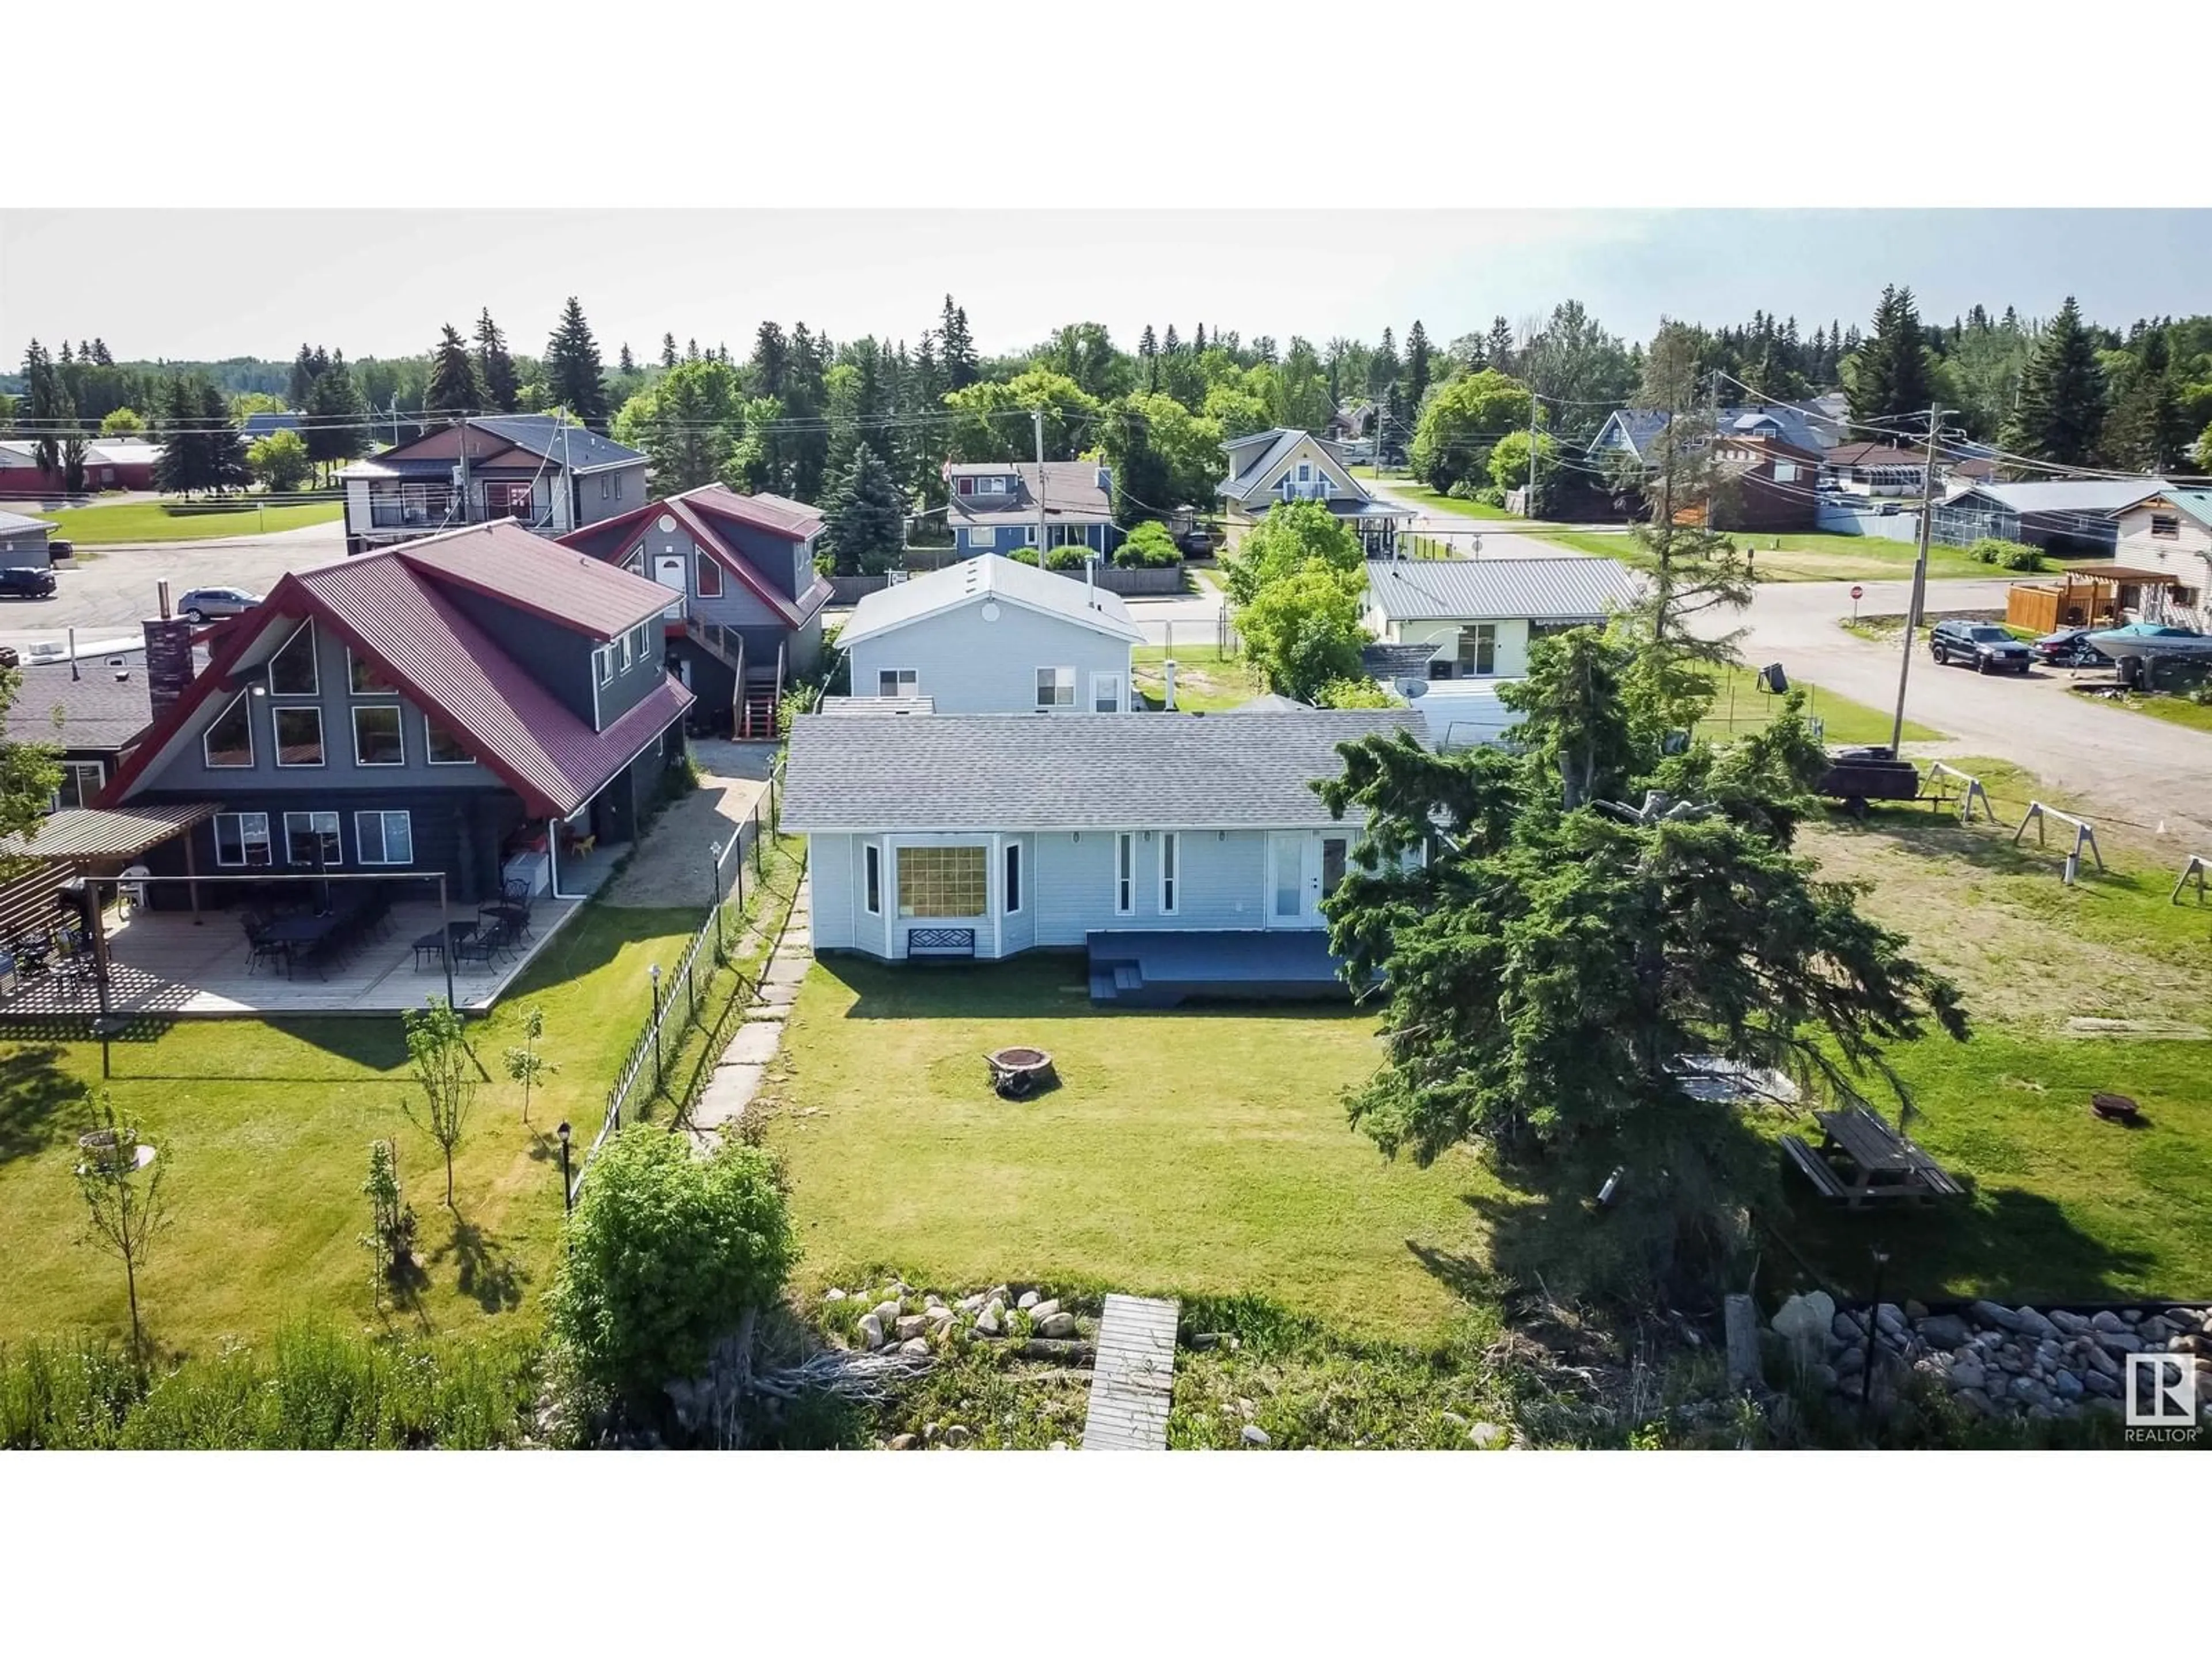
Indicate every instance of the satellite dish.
{"type": "Point", "coordinates": [1410, 689]}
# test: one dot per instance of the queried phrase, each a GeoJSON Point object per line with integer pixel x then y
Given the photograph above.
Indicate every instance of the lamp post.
{"type": "Point", "coordinates": [568, 1191]}
{"type": "Point", "coordinates": [715, 892]}
{"type": "Point", "coordinates": [1874, 1322]}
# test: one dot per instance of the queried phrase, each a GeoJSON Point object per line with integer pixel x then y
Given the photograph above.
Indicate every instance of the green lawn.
{"type": "Point", "coordinates": [1183, 1152]}
{"type": "Point", "coordinates": [1740, 706]}
{"type": "Point", "coordinates": [2174, 709]}
{"type": "Point", "coordinates": [1803, 558]}
{"type": "Point", "coordinates": [264, 1128]}
{"type": "Point", "coordinates": [1413, 490]}
{"type": "Point", "coordinates": [152, 521]}
{"type": "Point", "coordinates": [1205, 679]}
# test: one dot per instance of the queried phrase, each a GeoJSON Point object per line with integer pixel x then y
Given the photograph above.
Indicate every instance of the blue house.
{"type": "Point", "coordinates": [992, 636]}
{"type": "Point", "coordinates": [1185, 854]}
{"type": "Point", "coordinates": [998, 506]}
{"type": "Point", "coordinates": [743, 615]}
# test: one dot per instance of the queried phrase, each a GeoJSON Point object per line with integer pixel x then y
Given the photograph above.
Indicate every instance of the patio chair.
{"type": "Point", "coordinates": [261, 949]}
{"type": "Point", "coordinates": [481, 946]}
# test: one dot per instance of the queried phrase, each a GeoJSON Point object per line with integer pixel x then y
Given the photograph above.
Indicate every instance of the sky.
{"type": "Point", "coordinates": [208, 284]}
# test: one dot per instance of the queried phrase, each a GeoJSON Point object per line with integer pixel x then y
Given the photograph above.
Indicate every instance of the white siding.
{"type": "Point", "coordinates": [1512, 657]}
{"type": "Point", "coordinates": [971, 667]}
{"type": "Point", "coordinates": [834, 864]}
{"type": "Point", "coordinates": [2185, 555]}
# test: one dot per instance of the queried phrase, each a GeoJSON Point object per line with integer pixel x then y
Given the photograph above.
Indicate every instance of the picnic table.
{"type": "Point", "coordinates": [1879, 1162]}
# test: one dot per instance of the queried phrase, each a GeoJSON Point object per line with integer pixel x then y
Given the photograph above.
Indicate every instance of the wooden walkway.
{"type": "Point", "coordinates": [1134, 1376]}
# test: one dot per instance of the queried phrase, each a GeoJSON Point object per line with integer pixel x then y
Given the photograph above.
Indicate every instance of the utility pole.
{"type": "Point", "coordinates": [1920, 578]}
{"type": "Point", "coordinates": [1036, 419]}
{"type": "Point", "coordinates": [1531, 502]}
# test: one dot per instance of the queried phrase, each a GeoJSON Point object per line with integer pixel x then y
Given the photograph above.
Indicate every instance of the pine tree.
{"type": "Point", "coordinates": [805, 402]}
{"type": "Point", "coordinates": [496, 367]}
{"type": "Point", "coordinates": [1416, 369]}
{"type": "Point", "coordinates": [1498, 348]}
{"type": "Point", "coordinates": [573, 375]}
{"type": "Point", "coordinates": [956, 349]}
{"type": "Point", "coordinates": [865, 525]}
{"type": "Point", "coordinates": [1890, 382]}
{"type": "Point", "coordinates": [68, 357]}
{"type": "Point", "coordinates": [691, 350]}
{"type": "Point", "coordinates": [100, 353]}
{"type": "Point", "coordinates": [303, 377]}
{"type": "Point", "coordinates": [625, 363]}
{"type": "Point", "coordinates": [771, 361]}
{"type": "Point", "coordinates": [338, 417]}
{"type": "Point", "coordinates": [226, 466]}
{"type": "Point", "coordinates": [1197, 341]}
{"type": "Point", "coordinates": [2060, 414]}
{"type": "Point", "coordinates": [453, 389]}
{"type": "Point", "coordinates": [668, 350]}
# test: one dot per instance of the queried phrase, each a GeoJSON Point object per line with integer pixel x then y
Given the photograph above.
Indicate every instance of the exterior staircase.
{"type": "Point", "coordinates": [756, 709]}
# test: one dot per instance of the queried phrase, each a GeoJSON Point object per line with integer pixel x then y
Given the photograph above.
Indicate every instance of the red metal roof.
{"type": "Point", "coordinates": [697, 510]}
{"type": "Point", "coordinates": [393, 612]}
{"type": "Point", "coordinates": [508, 563]}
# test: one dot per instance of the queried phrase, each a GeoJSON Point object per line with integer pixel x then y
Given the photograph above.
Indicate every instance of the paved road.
{"type": "Point", "coordinates": [114, 592]}
{"type": "Point", "coordinates": [2134, 769]}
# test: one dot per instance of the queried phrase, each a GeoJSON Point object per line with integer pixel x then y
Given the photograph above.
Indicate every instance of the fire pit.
{"type": "Point", "coordinates": [1018, 1072]}
{"type": "Point", "coordinates": [2115, 1109]}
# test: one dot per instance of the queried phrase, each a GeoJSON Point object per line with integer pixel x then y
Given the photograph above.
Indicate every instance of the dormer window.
{"type": "Point", "coordinates": [966, 486]}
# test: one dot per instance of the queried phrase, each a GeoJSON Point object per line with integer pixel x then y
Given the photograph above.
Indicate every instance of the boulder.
{"type": "Point", "coordinates": [886, 1312]}
{"type": "Point", "coordinates": [905, 1442]}
{"type": "Point", "coordinates": [1029, 1299]}
{"type": "Point", "coordinates": [1454, 1419]}
{"type": "Point", "coordinates": [871, 1330]}
{"type": "Point", "coordinates": [2096, 1382]}
{"type": "Point", "coordinates": [973, 1304]}
{"type": "Point", "coordinates": [1804, 1322]}
{"type": "Point", "coordinates": [916, 1345]}
{"type": "Point", "coordinates": [987, 1323]}
{"type": "Point", "coordinates": [2120, 1341]}
{"type": "Point", "coordinates": [1968, 1373]}
{"type": "Point", "coordinates": [833, 1294]}
{"type": "Point", "coordinates": [1915, 1309]}
{"type": "Point", "coordinates": [2072, 1324]}
{"type": "Point", "coordinates": [2156, 1329]}
{"type": "Point", "coordinates": [2105, 1320]}
{"type": "Point", "coordinates": [958, 1434]}
{"type": "Point", "coordinates": [1849, 1362]}
{"type": "Point", "coordinates": [932, 1300]}
{"type": "Point", "coordinates": [906, 1327]}
{"type": "Point", "coordinates": [1055, 1325]}
{"type": "Point", "coordinates": [2067, 1386]}
{"type": "Point", "coordinates": [1822, 1376]}
{"type": "Point", "coordinates": [2033, 1324]}
{"type": "Point", "coordinates": [2101, 1363]}
{"type": "Point", "coordinates": [1942, 1330]}
{"type": "Point", "coordinates": [1254, 1435]}
{"type": "Point", "coordinates": [1992, 1314]}
{"type": "Point", "coordinates": [1040, 1311]}
{"type": "Point", "coordinates": [1976, 1402]}
{"type": "Point", "coordinates": [1890, 1318]}
{"type": "Point", "coordinates": [1486, 1435]}
{"type": "Point", "coordinates": [1846, 1328]}
{"type": "Point", "coordinates": [1057, 1445]}
{"type": "Point", "coordinates": [998, 1293]}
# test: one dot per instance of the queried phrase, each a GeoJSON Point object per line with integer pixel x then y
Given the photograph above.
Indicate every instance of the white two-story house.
{"type": "Point", "coordinates": [2170, 535]}
{"type": "Point", "coordinates": [535, 470]}
{"type": "Point", "coordinates": [992, 636]}
{"type": "Point", "coordinates": [1283, 464]}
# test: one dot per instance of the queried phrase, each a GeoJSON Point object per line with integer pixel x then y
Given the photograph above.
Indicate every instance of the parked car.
{"type": "Point", "coordinates": [26, 584]}
{"type": "Point", "coordinates": [2069, 647]}
{"type": "Point", "coordinates": [202, 603]}
{"type": "Point", "coordinates": [1983, 646]}
{"type": "Point", "coordinates": [1197, 541]}
{"type": "Point", "coordinates": [60, 548]}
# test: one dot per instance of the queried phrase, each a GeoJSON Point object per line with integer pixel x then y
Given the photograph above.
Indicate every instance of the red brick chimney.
{"type": "Point", "coordinates": [168, 657]}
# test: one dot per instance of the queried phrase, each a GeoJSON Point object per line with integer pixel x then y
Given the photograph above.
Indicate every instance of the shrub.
{"type": "Point", "coordinates": [1148, 547]}
{"type": "Point", "coordinates": [666, 1251]}
{"type": "Point", "coordinates": [1023, 555]}
{"type": "Point", "coordinates": [1353, 692]}
{"type": "Point", "coordinates": [1069, 558]}
{"type": "Point", "coordinates": [2009, 556]}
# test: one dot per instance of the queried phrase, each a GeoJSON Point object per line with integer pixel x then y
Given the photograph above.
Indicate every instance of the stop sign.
{"type": "Point", "coordinates": [1857, 592]}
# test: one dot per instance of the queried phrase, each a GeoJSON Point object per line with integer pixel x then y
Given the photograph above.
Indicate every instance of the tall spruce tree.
{"type": "Point", "coordinates": [1383, 369]}
{"type": "Point", "coordinates": [228, 468]}
{"type": "Point", "coordinates": [302, 379]}
{"type": "Point", "coordinates": [495, 367]}
{"type": "Point", "coordinates": [2148, 429]}
{"type": "Point", "coordinates": [668, 350]}
{"type": "Point", "coordinates": [624, 363]}
{"type": "Point", "coordinates": [2060, 414]}
{"type": "Point", "coordinates": [1497, 347]}
{"type": "Point", "coordinates": [865, 523]}
{"type": "Point", "coordinates": [574, 377]}
{"type": "Point", "coordinates": [453, 391]}
{"type": "Point", "coordinates": [805, 401]}
{"type": "Point", "coordinates": [1416, 369]}
{"type": "Point", "coordinates": [338, 417]}
{"type": "Point", "coordinates": [956, 349]}
{"type": "Point", "coordinates": [1890, 382]}
{"type": "Point", "coordinates": [771, 361]}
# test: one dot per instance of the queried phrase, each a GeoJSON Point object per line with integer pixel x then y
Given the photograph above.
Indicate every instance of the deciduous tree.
{"type": "Point", "coordinates": [1463, 423]}
{"type": "Point", "coordinates": [280, 461]}
{"type": "Point", "coordinates": [446, 1074]}
{"type": "Point", "coordinates": [124, 1207]}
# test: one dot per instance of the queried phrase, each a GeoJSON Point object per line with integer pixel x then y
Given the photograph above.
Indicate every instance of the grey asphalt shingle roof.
{"type": "Point", "coordinates": [97, 710]}
{"type": "Point", "coordinates": [988, 576]}
{"type": "Point", "coordinates": [1071, 490]}
{"type": "Point", "coordinates": [1639, 426]}
{"type": "Point", "coordinates": [984, 772]}
{"type": "Point", "coordinates": [580, 449]}
{"type": "Point", "coordinates": [1495, 590]}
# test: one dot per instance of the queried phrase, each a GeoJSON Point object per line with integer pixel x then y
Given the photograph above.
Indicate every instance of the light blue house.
{"type": "Point", "coordinates": [995, 507]}
{"type": "Point", "coordinates": [989, 635]}
{"type": "Point", "coordinates": [1183, 854]}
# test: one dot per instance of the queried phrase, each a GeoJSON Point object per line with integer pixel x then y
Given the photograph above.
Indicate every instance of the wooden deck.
{"type": "Point", "coordinates": [164, 964]}
{"type": "Point", "coordinates": [1132, 1378]}
{"type": "Point", "coordinates": [1160, 969]}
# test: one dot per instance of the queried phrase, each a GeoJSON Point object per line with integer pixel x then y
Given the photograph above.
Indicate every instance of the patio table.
{"type": "Point", "coordinates": [436, 943]}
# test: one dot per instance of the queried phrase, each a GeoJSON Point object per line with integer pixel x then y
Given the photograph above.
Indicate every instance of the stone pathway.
{"type": "Point", "coordinates": [738, 1075]}
{"type": "Point", "coordinates": [1133, 1378]}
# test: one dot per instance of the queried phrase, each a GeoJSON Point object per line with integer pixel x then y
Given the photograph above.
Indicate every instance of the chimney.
{"type": "Point", "coordinates": [168, 657]}
{"type": "Point", "coordinates": [72, 644]}
{"type": "Point", "coordinates": [1167, 682]}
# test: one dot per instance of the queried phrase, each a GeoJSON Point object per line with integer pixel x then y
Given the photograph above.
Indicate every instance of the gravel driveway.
{"type": "Point", "coordinates": [668, 868]}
